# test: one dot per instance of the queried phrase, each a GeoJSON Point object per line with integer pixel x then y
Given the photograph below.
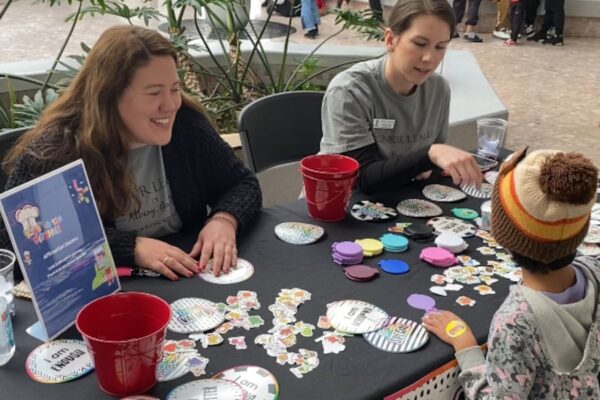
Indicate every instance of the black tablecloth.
{"type": "Point", "coordinates": [359, 372]}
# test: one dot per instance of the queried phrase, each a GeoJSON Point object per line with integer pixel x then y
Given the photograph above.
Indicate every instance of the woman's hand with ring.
{"type": "Point", "coordinates": [217, 241]}
{"type": "Point", "coordinates": [163, 258]}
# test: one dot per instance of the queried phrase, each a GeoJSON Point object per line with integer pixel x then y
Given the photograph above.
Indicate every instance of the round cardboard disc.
{"type": "Point", "coordinates": [242, 271]}
{"type": "Point", "coordinates": [452, 225]}
{"type": "Point", "coordinates": [299, 233]}
{"type": "Point", "coordinates": [369, 211]}
{"type": "Point", "coordinates": [59, 361]}
{"type": "Point", "coordinates": [394, 267]}
{"type": "Point", "coordinates": [400, 335]}
{"type": "Point", "coordinates": [192, 314]}
{"type": "Point", "coordinates": [256, 382]}
{"type": "Point", "coordinates": [198, 389]}
{"type": "Point", "coordinates": [418, 208]}
{"type": "Point", "coordinates": [484, 192]}
{"type": "Point", "coordinates": [465, 213]}
{"type": "Point", "coordinates": [355, 316]}
{"type": "Point", "coordinates": [443, 193]}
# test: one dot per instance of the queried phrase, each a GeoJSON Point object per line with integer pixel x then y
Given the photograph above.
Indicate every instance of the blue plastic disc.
{"type": "Point", "coordinates": [395, 267]}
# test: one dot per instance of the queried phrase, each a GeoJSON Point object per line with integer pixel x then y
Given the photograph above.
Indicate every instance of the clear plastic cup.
{"type": "Point", "coordinates": [7, 339]}
{"type": "Point", "coordinates": [7, 281]}
{"type": "Point", "coordinates": [490, 136]}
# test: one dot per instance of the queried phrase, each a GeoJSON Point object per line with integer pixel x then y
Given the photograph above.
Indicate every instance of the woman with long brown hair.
{"type": "Point", "coordinates": [155, 162]}
{"type": "Point", "coordinates": [391, 114]}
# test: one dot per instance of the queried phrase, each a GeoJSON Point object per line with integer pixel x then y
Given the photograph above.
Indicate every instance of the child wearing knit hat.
{"type": "Point", "coordinates": [544, 341]}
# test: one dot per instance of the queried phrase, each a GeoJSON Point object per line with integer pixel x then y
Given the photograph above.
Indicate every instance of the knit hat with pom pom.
{"type": "Point", "coordinates": [541, 203]}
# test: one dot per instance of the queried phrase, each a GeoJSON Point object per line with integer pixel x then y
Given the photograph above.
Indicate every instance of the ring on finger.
{"type": "Point", "coordinates": [166, 260]}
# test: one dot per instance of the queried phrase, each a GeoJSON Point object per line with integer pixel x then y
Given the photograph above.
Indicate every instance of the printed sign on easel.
{"type": "Point", "coordinates": [58, 237]}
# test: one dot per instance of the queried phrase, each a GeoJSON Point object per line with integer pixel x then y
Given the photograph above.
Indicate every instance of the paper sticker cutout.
{"type": "Point", "coordinates": [192, 314]}
{"type": "Point", "coordinates": [443, 193]}
{"type": "Point", "coordinates": [399, 335]}
{"type": "Point", "coordinates": [399, 227]}
{"type": "Point", "coordinates": [418, 208]}
{"type": "Point", "coordinates": [59, 361]}
{"type": "Point", "coordinates": [484, 290]}
{"type": "Point", "coordinates": [238, 341]}
{"type": "Point", "coordinates": [299, 233]}
{"type": "Point", "coordinates": [323, 322]}
{"type": "Point", "coordinates": [465, 301]}
{"type": "Point", "coordinates": [369, 211]}
{"type": "Point", "coordinates": [332, 342]}
{"type": "Point", "coordinates": [452, 225]}
{"type": "Point", "coordinates": [455, 328]}
{"type": "Point", "coordinates": [179, 358]}
{"type": "Point", "coordinates": [421, 302]}
{"type": "Point", "coordinates": [355, 316]}
{"type": "Point", "coordinates": [208, 389]}
{"type": "Point", "coordinates": [484, 192]}
{"type": "Point", "coordinates": [438, 290]}
{"type": "Point", "coordinates": [242, 271]}
{"type": "Point", "coordinates": [260, 383]}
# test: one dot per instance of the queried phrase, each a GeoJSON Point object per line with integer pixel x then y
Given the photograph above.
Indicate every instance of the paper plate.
{"type": "Point", "coordinates": [257, 382]}
{"type": "Point", "coordinates": [368, 211]}
{"type": "Point", "coordinates": [418, 208]}
{"type": "Point", "coordinates": [59, 361]}
{"type": "Point", "coordinates": [443, 193]}
{"type": "Point", "coordinates": [491, 176]}
{"type": "Point", "coordinates": [355, 316]}
{"type": "Point", "coordinates": [242, 271]}
{"type": "Point", "coordinates": [593, 234]}
{"type": "Point", "coordinates": [299, 232]}
{"type": "Point", "coordinates": [400, 335]}
{"type": "Point", "coordinates": [452, 225]}
{"type": "Point", "coordinates": [208, 389]}
{"type": "Point", "coordinates": [484, 192]}
{"type": "Point", "coordinates": [192, 314]}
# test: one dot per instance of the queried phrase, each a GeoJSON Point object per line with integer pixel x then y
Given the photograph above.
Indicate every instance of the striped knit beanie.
{"type": "Point", "coordinates": [541, 203]}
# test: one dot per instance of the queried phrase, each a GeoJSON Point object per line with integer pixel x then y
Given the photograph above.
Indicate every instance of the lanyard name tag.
{"type": "Point", "coordinates": [384, 123]}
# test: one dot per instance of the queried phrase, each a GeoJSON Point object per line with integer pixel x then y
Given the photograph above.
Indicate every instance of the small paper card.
{"type": "Point", "coordinates": [58, 237]}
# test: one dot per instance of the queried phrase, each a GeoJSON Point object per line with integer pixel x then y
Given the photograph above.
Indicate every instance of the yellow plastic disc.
{"type": "Point", "coordinates": [371, 247]}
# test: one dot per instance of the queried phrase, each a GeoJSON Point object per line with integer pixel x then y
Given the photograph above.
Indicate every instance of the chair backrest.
{"type": "Point", "coordinates": [7, 140]}
{"type": "Point", "coordinates": [280, 128]}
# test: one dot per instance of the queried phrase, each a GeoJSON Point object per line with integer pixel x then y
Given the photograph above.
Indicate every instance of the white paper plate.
{"type": "Point", "coordinates": [257, 382]}
{"type": "Point", "coordinates": [192, 314]}
{"type": "Point", "coordinates": [443, 193]}
{"type": "Point", "coordinates": [418, 208]}
{"type": "Point", "coordinates": [484, 192]}
{"type": "Point", "coordinates": [400, 335]}
{"type": "Point", "coordinates": [59, 361]}
{"type": "Point", "coordinates": [240, 273]}
{"type": "Point", "coordinates": [355, 316]}
{"type": "Point", "coordinates": [199, 389]}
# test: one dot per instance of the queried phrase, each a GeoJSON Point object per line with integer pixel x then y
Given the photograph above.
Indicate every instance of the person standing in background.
{"type": "Point", "coordinates": [311, 19]}
{"type": "Point", "coordinates": [459, 7]}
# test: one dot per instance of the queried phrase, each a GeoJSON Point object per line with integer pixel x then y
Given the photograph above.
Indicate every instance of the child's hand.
{"type": "Point", "coordinates": [450, 329]}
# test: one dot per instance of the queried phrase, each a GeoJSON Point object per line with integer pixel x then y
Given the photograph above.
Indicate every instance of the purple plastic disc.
{"type": "Point", "coordinates": [360, 272]}
{"type": "Point", "coordinates": [421, 302]}
{"type": "Point", "coordinates": [347, 249]}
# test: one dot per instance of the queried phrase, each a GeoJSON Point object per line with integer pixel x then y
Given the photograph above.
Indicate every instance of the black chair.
{"type": "Point", "coordinates": [7, 140]}
{"type": "Point", "coordinates": [275, 132]}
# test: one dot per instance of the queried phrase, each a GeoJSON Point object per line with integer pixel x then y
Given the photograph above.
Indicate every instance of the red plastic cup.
{"type": "Point", "coordinates": [329, 166]}
{"type": "Point", "coordinates": [124, 334]}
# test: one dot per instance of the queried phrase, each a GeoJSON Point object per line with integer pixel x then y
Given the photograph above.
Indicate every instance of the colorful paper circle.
{"type": "Point", "coordinates": [260, 384]}
{"type": "Point", "coordinates": [369, 211]}
{"type": "Point", "coordinates": [299, 233]}
{"type": "Point", "coordinates": [399, 335]}
{"type": "Point", "coordinates": [218, 389]}
{"type": "Point", "coordinates": [355, 316]}
{"type": "Point", "coordinates": [192, 314]}
{"type": "Point", "coordinates": [59, 361]}
{"type": "Point", "coordinates": [242, 271]}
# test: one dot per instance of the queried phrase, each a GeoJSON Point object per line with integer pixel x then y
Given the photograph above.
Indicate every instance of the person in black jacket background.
{"type": "Point", "coordinates": [155, 162]}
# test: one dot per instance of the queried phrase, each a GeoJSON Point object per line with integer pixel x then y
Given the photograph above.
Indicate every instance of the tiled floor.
{"type": "Point", "coordinates": [552, 93]}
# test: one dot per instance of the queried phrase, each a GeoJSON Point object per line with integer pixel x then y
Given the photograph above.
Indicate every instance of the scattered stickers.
{"type": "Point", "coordinates": [259, 384]}
{"type": "Point", "coordinates": [465, 301]}
{"type": "Point", "coordinates": [355, 316]}
{"type": "Point", "coordinates": [299, 233]}
{"type": "Point", "coordinates": [59, 361]}
{"type": "Point", "coordinates": [192, 314]}
{"type": "Point", "coordinates": [368, 211]}
{"type": "Point", "coordinates": [208, 389]}
{"type": "Point", "coordinates": [443, 193]}
{"type": "Point", "coordinates": [400, 335]}
{"type": "Point", "coordinates": [418, 208]}
{"type": "Point", "coordinates": [452, 225]}
{"type": "Point", "coordinates": [242, 271]}
{"type": "Point", "coordinates": [333, 342]}
{"type": "Point", "coordinates": [484, 192]}
{"type": "Point", "coordinates": [179, 358]}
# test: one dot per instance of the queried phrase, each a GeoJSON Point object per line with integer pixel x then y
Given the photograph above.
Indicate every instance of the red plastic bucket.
{"type": "Point", "coordinates": [329, 166]}
{"type": "Point", "coordinates": [327, 199]}
{"type": "Point", "coordinates": [124, 334]}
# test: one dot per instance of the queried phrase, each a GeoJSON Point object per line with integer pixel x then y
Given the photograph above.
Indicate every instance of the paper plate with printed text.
{"type": "Point", "coordinates": [399, 335]}
{"type": "Point", "coordinates": [59, 361]}
{"type": "Point", "coordinates": [355, 316]}
{"type": "Point", "coordinates": [192, 314]}
{"type": "Point", "coordinates": [256, 382]}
